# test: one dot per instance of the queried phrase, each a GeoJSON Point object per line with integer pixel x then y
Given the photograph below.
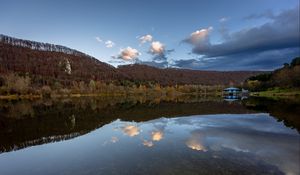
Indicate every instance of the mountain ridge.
{"type": "Point", "coordinates": [67, 65]}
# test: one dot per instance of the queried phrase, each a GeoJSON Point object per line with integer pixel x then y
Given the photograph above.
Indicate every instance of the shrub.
{"type": "Point", "coordinates": [46, 91]}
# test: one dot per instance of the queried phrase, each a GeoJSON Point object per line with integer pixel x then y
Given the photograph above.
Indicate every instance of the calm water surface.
{"type": "Point", "coordinates": [140, 136]}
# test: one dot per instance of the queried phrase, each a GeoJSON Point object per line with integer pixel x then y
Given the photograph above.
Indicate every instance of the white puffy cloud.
{"type": "Point", "coordinates": [129, 54]}
{"type": "Point", "coordinates": [157, 48]}
{"type": "Point", "coordinates": [146, 38]}
{"type": "Point", "coordinates": [199, 36]}
{"type": "Point", "coordinates": [98, 39]}
{"type": "Point", "coordinates": [109, 44]}
{"type": "Point", "coordinates": [223, 19]}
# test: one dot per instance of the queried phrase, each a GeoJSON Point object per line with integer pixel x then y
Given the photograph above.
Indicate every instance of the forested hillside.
{"type": "Point", "coordinates": [50, 63]}
{"type": "Point", "coordinates": [171, 76]}
{"type": "Point", "coordinates": [286, 77]}
{"type": "Point", "coordinates": [29, 66]}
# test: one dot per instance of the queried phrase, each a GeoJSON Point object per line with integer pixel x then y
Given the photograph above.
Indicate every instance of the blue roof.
{"type": "Point", "coordinates": [232, 88]}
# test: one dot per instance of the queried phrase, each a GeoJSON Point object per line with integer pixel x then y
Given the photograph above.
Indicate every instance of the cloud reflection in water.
{"type": "Point", "coordinates": [148, 143]}
{"type": "Point", "coordinates": [195, 142]}
{"type": "Point", "coordinates": [131, 130]}
{"type": "Point", "coordinates": [255, 143]}
{"type": "Point", "coordinates": [256, 134]}
{"type": "Point", "coordinates": [157, 135]}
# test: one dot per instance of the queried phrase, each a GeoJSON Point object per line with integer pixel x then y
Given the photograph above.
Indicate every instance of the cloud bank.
{"type": "Point", "coordinates": [260, 47]}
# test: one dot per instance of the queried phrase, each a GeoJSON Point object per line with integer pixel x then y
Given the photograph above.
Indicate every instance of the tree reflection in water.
{"type": "Point", "coordinates": [61, 119]}
{"type": "Point", "coordinates": [239, 137]}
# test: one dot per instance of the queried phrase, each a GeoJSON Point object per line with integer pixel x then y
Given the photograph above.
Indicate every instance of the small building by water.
{"type": "Point", "coordinates": [233, 93]}
{"type": "Point", "coordinates": [232, 90]}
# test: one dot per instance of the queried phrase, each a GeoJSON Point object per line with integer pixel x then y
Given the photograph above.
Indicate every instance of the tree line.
{"type": "Point", "coordinates": [14, 84]}
{"type": "Point", "coordinates": [287, 77]}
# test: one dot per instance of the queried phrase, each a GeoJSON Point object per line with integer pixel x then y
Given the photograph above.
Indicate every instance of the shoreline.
{"type": "Point", "coordinates": [77, 95]}
{"type": "Point", "coordinates": [29, 96]}
{"type": "Point", "coordinates": [277, 94]}
{"type": "Point", "coordinates": [269, 94]}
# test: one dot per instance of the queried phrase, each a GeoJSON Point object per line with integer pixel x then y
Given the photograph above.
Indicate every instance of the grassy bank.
{"type": "Point", "coordinates": [278, 93]}
{"type": "Point", "coordinates": [145, 94]}
{"type": "Point", "coordinates": [15, 97]}
{"type": "Point", "coordinates": [152, 94]}
{"type": "Point", "coordinates": [29, 96]}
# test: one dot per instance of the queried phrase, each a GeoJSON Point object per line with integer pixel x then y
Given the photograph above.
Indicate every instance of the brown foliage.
{"type": "Point", "coordinates": [172, 76]}
{"type": "Point", "coordinates": [59, 66]}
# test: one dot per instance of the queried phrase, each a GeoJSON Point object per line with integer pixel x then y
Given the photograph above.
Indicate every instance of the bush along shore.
{"type": "Point", "coordinates": [14, 86]}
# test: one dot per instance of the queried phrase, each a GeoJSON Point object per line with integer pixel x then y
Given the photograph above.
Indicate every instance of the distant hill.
{"type": "Point", "coordinates": [171, 76]}
{"type": "Point", "coordinates": [58, 63]}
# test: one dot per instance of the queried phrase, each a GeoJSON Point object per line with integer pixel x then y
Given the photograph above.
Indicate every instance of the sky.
{"type": "Point", "coordinates": [191, 34]}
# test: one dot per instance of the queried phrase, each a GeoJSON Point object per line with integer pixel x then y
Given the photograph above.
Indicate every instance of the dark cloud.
{"type": "Point", "coordinates": [160, 57]}
{"type": "Point", "coordinates": [266, 60]}
{"type": "Point", "coordinates": [265, 47]}
{"type": "Point", "coordinates": [266, 14]}
{"type": "Point", "coordinates": [116, 61]}
{"type": "Point", "coordinates": [282, 32]}
{"type": "Point", "coordinates": [224, 31]}
{"type": "Point", "coordinates": [163, 55]}
{"type": "Point", "coordinates": [158, 60]}
{"type": "Point", "coordinates": [162, 64]}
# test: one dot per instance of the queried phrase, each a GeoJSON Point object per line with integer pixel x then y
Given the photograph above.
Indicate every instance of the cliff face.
{"type": "Point", "coordinates": [59, 63]}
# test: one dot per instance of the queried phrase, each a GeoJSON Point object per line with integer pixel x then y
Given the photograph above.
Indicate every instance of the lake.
{"type": "Point", "coordinates": [118, 135]}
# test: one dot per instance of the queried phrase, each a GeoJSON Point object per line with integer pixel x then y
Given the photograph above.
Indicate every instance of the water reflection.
{"type": "Point", "coordinates": [50, 121]}
{"type": "Point", "coordinates": [99, 135]}
{"type": "Point", "coordinates": [195, 142]}
{"type": "Point", "coordinates": [148, 143]}
{"type": "Point", "coordinates": [231, 98]}
{"type": "Point", "coordinates": [131, 130]}
{"type": "Point", "coordinates": [213, 144]}
{"type": "Point", "coordinates": [44, 121]}
{"type": "Point", "coordinates": [157, 135]}
{"type": "Point", "coordinates": [114, 139]}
